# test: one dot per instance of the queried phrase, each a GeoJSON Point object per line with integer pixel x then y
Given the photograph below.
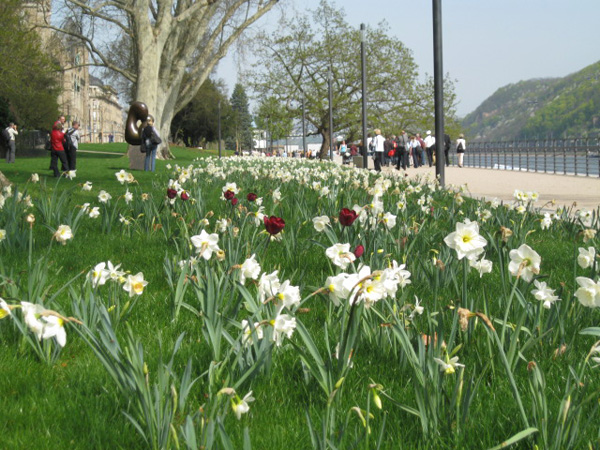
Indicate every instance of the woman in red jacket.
{"type": "Point", "coordinates": [58, 151]}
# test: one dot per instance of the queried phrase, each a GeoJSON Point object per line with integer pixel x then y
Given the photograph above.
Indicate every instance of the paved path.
{"type": "Point", "coordinates": [565, 190]}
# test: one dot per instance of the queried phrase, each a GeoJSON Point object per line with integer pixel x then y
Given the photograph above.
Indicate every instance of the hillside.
{"type": "Point", "coordinates": [540, 108]}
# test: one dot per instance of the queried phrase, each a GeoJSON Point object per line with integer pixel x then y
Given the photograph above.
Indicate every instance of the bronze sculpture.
{"type": "Point", "coordinates": [138, 112]}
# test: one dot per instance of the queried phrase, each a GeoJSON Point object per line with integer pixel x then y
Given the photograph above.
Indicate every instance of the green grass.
{"type": "Point", "coordinates": [74, 403]}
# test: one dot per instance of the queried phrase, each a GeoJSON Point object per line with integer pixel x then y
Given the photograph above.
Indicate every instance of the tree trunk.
{"type": "Point", "coordinates": [324, 152]}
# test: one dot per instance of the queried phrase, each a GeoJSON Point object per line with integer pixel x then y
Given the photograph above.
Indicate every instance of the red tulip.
{"type": "Point", "coordinates": [251, 197]}
{"type": "Point", "coordinates": [228, 195]}
{"type": "Point", "coordinates": [171, 193]}
{"type": "Point", "coordinates": [359, 250]}
{"type": "Point", "coordinates": [274, 224]}
{"type": "Point", "coordinates": [184, 195]}
{"type": "Point", "coordinates": [347, 216]}
{"type": "Point", "coordinates": [234, 201]}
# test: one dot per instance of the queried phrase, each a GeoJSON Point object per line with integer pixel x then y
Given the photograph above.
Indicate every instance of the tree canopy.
{"type": "Point", "coordinates": [241, 120]}
{"type": "Point", "coordinates": [296, 61]}
{"type": "Point", "coordinates": [28, 85]}
{"type": "Point", "coordinates": [169, 41]}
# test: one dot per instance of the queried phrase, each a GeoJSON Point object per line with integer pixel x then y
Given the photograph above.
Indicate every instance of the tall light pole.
{"type": "Point", "coordinates": [438, 87]}
{"type": "Point", "coordinates": [363, 59]}
{"type": "Point", "coordinates": [329, 81]}
{"type": "Point", "coordinates": [303, 126]}
{"type": "Point", "coordinates": [219, 127]}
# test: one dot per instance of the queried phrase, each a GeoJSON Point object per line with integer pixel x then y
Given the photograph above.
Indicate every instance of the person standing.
{"type": "Point", "coordinates": [447, 144]}
{"type": "Point", "coordinates": [378, 142]}
{"type": "Point", "coordinates": [11, 148]}
{"type": "Point", "coordinates": [72, 138]}
{"type": "Point", "coordinates": [403, 151]}
{"type": "Point", "coordinates": [429, 141]}
{"type": "Point", "coordinates": [415, 148]}
{"type": "Point", "coordinates": [461, 146]}
{"type": "Point", "coordinates": [150, 140]}
{"type": "Point", "coordinates": [57, 138]}
{"type": "Point", "coordinates": [421, 150]}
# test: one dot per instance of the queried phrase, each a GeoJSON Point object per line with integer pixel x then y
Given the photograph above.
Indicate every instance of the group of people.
{"type": "Point", "coordinates": [64, 144]}
{"type": "Point", "coordinates": [400, 150]}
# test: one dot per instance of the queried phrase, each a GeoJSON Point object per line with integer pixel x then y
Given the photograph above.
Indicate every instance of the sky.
{"type": "Point", "coordinates": [487, 44]}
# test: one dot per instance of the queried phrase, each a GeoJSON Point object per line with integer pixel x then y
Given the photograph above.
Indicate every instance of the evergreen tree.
{"type": "Point", "coordinates": [241, 120]}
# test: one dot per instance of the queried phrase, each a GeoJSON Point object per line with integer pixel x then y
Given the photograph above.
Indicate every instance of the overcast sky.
{"type": "Point", "coordinates": [487, 43]}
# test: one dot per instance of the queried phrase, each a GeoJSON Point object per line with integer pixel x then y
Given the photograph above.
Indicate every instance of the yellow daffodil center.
{"type": "Point", "coordinates": [280, 296]}
{"type": "Point", "coordinates": [331, 288]}
{"type": "Point", "coordinates": [466, 239]}
{"type": "Point", "coordinates": [3, 314]}
{"type": "Point", "coordinates": [138, 287]}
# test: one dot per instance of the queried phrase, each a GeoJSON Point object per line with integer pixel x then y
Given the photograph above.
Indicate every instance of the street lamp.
{"type": "Point", "coordinates": [329, 80]}
{"type": "Point", "coordinates": [363, 58]}
{"type": "Point", "coordinates": [438, 87]}
{"type": "Point", "coordinates": [303, 126]}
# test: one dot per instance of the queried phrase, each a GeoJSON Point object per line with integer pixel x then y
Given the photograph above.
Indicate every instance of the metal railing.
{"type": "Point", "coordinates": [577, 156]}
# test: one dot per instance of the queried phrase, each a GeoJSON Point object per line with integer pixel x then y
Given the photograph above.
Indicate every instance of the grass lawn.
{"type": "Point", "coordinates": [340, 349]}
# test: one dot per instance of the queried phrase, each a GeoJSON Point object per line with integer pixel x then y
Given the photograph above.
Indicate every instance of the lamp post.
{"type": "Point", "coordinates": [363, 58]}
{"type": "Point", "coordinates": [329, 80]}
{"type": "Point", "coordinates": [303, 126]}
{"type": "Point", "coordinates": [438, 87]}
{"type": "Point", "coordinates": [219, 127]}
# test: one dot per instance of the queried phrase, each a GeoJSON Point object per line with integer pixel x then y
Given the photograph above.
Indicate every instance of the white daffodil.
{"type": "Point", "coordinates": [524, 262]}
{"type": "Point", "coordinates": [340, 255]}
{"type": "Point", "coordinates": [276, 196]}
{"type": "Point", "coordinates": [135, 284]}
{"type": "Point", "coordinates": [449, 366]}
{"type": "Point", "coordinates": [4, 309]}
{"type": "Point", "coordinates": [128, 197]}
{"type": "Point", "coordinates": [2, 235]}
{"type": "Point", "coordinates": [321, 223]}
{"type": "Point", "coordinates": [544, 294]}
{"type": "Point", "coordinates": [268, 285]}
{"type": "Point", "coordinates": [94, 212]}
{"type": "Point", "coordinates": [221, 225]}
{"type": "Point", "coordinates": [63, 234]}
{"type": "Point", "coordinates": [87, 186]}
{"type": "Point", "coordinates": [389, 220]}
{"type": "Point", "coordinates": [337, 288]}
{"type": "Point", "coordinates": [240, 406]}
{"type": "Point", "coordinates": [251, 334]}
{"type": "Point", "coordinates": [418, 309]}
{"type": "Point", "coordinates": [482, 266]}
{"type": "Point", "coordinates": [104, 197]}
{"type": "Point", "coordinates": [586, 258]}
{"type": "Point", "coordinates": [113, 272]}
{"type": "Point", "coordinates": [231, 187]}
{"type": "Point", "coordinates": [466, 240]}
{"type": "Point", "coordinates": [206, 244]}
{"type": "Point", "coordinates": [34, 178]}
{"type": "Point", "coordinates": [283, 326]}
{"type": "Point", "coordinates": [588, 293]}
{"type": "Point", "coordinates": [546, 222]}
{"type": "Point", "coordinates": [289, 295]}
{"type": "Point", "coordinates": [259, 216]}
{"type": "Point", "coordinates": [71, 174]}
{"type": "Point", "coordinates": [122, 176]}
{"type": "Point", "coordinates": [588, 234]}
{"type": "Point", "coordinates": [98, 275]}
{"type": "Point", "coordinates": [43, 325]}
{"type": "Point", "coordinates": [250, 269]}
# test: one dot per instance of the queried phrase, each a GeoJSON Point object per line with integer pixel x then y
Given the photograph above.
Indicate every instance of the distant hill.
{"type": "Point", "coordinates": [540, 108]}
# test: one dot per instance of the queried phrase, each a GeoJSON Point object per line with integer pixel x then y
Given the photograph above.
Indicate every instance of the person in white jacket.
{"type": "Point", "coordinates": [378, 142]}
{"type": "Point", "coordinates": [461, 146]}
{"type": "Point", "coordinates": [11, 147]}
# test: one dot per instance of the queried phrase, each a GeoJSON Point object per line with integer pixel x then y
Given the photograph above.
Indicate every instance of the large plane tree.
{"type": "Point", "coordinates": [166, 42]}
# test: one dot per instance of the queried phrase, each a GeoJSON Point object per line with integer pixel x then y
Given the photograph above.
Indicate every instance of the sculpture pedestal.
{"type": "Point", "coordinates": [136, 158]}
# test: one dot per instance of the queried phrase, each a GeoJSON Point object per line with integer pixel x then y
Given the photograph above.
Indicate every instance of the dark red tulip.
{"type": "Point", "coordinates": [359, 250]}
{"type": "Point", "coordinates": [251, 197]}
{"type": "Point", "coordinates": [274, 224]}
{"type": "Point", "coordinates": [234, 201]}
{"type": "Point", "coordinates": [184, 195]}
{"type": "Point", "coordinates": [171, 193]}
{"type": "Point", "coordinates": [347, 216]}
{"type": "Point", "coordinates": [228, 195]}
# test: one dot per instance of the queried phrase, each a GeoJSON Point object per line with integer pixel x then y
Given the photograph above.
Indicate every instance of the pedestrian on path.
{"type": "Point", "coordinates": [378, 142]}
{"type": "Point", "coordinates": [11, 132]}
{"type": "Point", "coordinates": [461, 146]}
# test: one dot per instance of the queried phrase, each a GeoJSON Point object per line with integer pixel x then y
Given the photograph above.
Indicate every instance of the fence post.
{"type": "Point", "coordinates": [564, 160]}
